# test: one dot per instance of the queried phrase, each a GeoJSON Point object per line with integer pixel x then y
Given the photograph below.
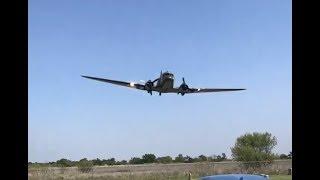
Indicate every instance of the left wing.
{"type": "Point", "coordinates": [120, 83]}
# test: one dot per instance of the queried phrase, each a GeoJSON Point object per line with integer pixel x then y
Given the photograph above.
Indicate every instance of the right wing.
{"type": "Point", "coordinates": [201, 90]}
{"type": "Point", "coordinates": [204, 90]}
{"type": "Point", "coordinates": [120, 83]}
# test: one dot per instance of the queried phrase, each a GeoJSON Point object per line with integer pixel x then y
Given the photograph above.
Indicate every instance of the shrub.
{"type": "Point", "coordinates": [85, 166]}
{"type": "Point", "coordinates": [252, 149]}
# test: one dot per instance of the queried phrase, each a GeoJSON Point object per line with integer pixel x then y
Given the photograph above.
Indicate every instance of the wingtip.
{"type": "Point", "coordinates": [88, 77]}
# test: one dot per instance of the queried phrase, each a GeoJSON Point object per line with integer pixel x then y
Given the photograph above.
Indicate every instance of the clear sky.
{"type": "Point", "coordinates": [212, 43]}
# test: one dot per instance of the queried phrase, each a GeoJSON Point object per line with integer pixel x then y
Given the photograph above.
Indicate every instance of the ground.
{"type": "Point", "coordinates": [281, 177]}
{"type": "Point", "coordinates": [175, 171]}
{"type": "Point", "coordinates": [273, 177]}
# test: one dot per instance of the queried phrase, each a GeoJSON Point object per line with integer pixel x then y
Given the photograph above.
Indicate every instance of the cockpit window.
{"type": "Point", "coordinates": [166, 74]}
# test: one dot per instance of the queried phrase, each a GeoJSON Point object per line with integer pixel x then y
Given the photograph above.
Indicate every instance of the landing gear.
{"type": "Point", "coordinates": [159, 93]}
{"type": "Point", "coordinates": [150, 92]}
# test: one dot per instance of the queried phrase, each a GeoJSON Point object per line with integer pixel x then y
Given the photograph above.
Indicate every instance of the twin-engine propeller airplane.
{"type": "Point", "coordinates": [163, 84]}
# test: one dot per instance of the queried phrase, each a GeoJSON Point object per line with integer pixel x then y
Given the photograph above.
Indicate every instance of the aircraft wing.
{"type": "Point", "coordinates": [203, 90]}
{"type": "Point", "coordinates": [120, 83]}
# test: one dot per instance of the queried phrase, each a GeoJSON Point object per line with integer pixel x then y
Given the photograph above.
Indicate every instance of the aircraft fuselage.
{"type": "Point", "coordinates": [165, 82]}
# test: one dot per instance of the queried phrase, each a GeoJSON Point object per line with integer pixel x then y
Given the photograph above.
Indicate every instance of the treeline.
{"type": "Point", "coordinates": [284, 156]}
{"type": "Point", "coordinates": [151, 158]}
{"type": "Point", "coordinates": [250, 147]}
{"type": "Point", "coordinates": [146, 158]}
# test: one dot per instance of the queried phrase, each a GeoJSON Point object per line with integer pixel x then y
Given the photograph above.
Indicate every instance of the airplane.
{"type": "Point", "coordinates": [163, 84]}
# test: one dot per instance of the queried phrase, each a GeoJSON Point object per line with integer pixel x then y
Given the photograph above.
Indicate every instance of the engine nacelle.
{"type": "Point", "coordinates": [183, 89]}
{"type": "Point", "coordinates": [148, 86]}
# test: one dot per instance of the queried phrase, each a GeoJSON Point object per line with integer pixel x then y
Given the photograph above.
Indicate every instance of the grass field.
{"type": "Point", "coordinates": [177, 171]}
{"type": "Point", "coordinates": [281, 177]}
{"type": "Point", "coordinates": [148, 177]}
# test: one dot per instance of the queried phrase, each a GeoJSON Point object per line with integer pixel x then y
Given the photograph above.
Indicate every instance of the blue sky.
{"type": "Point", "coordinates": [212, 43]}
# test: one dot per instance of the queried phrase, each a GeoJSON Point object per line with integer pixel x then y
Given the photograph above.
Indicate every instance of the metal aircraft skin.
{"type": "Point", "coordinates": [163, 84]}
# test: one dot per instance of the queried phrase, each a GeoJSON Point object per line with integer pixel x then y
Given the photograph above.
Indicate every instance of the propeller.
{"type": "Point", "coordinates": [183, 87]}
{"type": "Point", "coordinates": [149, 84]}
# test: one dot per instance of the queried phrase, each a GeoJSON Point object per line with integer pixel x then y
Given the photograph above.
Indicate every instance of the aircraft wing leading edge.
{"type": "Point", "coordinates": [202, 90]}
{"type": "Point", "coordinates": [120, 83]}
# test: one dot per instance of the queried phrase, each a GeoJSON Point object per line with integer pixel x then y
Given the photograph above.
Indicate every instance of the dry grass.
{"type": "Point", "coordinates": [153, 171]}
{"type": "Point", "coordinates": [281, 177]}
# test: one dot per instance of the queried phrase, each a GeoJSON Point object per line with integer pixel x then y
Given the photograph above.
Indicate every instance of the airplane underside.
{"type": "Point", "coordinates": [164, 84]}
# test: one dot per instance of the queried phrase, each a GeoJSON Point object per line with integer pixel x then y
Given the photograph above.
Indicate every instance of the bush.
{"type": "Point", "coordinates": [253, 149]}
{"type": "Point", "coordinates": [64, 162]}
{"type": "Point", "coordinates": [148, 158]}
{"type": "Point", "coordinates": [283, 156]}
{"type": "Point", "coordinates": [85, 166]}
{"type": "Point", "coordinates": [136, 160]}
{"type": "Point", "coordinates": [164, 160]}
{"type": "Point", "coordinates": [179, 158]}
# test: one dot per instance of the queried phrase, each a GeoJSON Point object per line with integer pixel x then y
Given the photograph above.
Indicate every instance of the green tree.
{"type": "Point", "coordinates": [164, 160]}
{"type": "Point", "coordinates": [254, 147]}
{"type": "Point", "coordinates": [123, 162]}
{"type": "Point", "coordinates": [179, 158]}
{"type": "Point", "coordinates": [136, 160]}
{"type": "Point", "coordinates": [111, 161]}
{"type": "Point", "coordinates": [189, 159]}
{"type": "Point", "coordinates": [64, 163]}
{"type": "Point", "coordinates": [202, 158]}
{"type": "Point", "coordinates": [149, 158]}
{"type": "Point", "coordinates": [224, 157]}
{"type": "Point", "coordinates": [218, 158]}
{"type": "Point", "coordinates": [104, 161]}
{"type": "Point", "coordinates": [97, 162]}
{"type": "Point", "coordinates": [283, 156]}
